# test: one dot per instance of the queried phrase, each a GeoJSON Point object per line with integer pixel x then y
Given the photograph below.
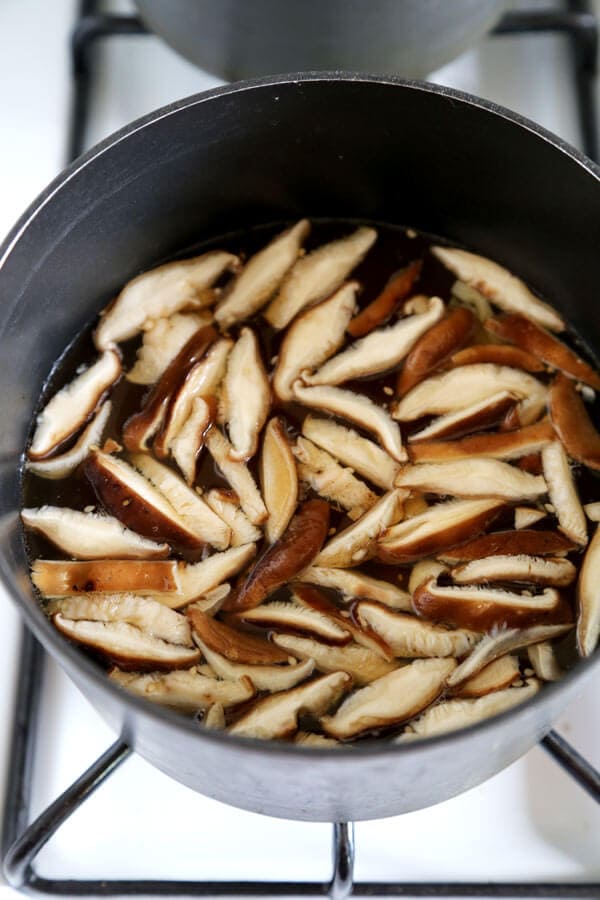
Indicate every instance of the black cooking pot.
{"type": "Point", "coordinates": [315, 145]}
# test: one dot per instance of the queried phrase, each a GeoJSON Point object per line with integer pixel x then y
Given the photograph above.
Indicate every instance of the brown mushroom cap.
{"type": "Point", "coordinates": [499, 355]}
{"type": "Point", "coordinates": [381, 308]}
{"type": "Point", "coordinates": [499, 674]}
{"type": "Point", "coordinates": [573, 424]}
{"type": "Point", "coordinates": [475, 417]}
{"type": "Point", "coordinates": [161, 343]}
{"type": "Point", "coordinates": [59, 578]}
{"type": "Point", "coordinates": [499, 445]}
{"type": "Point", "coordinates": [237, 646]}
{"type": "Point", "coordinates": [264, 677]}
{"type": "Point", "coordinates": [434, 347]}
{"type": "Point", "coordinates": [501, 543]}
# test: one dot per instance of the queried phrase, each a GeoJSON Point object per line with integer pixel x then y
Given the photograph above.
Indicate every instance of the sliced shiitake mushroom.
{"type": "Point", "coordinates": [381, 350]}
{"type": "Point", "coordinates": [434, 347]}
{"type": "Point", "coordinates": [261, 276]}
{"type": "Point", "coordinates": [278, 479]}
{"type": "Point", "coordinates": [381, 308]}
{"type": "Point", "coordinates": [161, 343]}
{"type": "Point", "coordinates": [263, 677]}
{"type": "Point", "coordinates": [573, 423]}
{"type": "Point", "coordinates": [186, 690]}
{"type": "Point", "coordinates": [458, 388]}
{"type": "Point", "coordinates": [465, 295]}
{"type": "Point", "coordinates": [422, 571]}
{"type": "Point", "coordinates": [247, 395]}
{"type": "Point", "coordinates": [235, 645]}
{"type": "Point", "coordinates": [477, 416]}
{"type": "Point", "coordinates": [441, 526]}
{"type": "Point", "coordinates": [293, 552]}
{"type": "Point", "coordinates": [513, 543]}
{"type": "Point", "coordinates": [499, 445]}
{"type": "Point", "coordinates": [499, 286]}
{"type": "Point", "coordinates": [389, 700]}
{"type": "Point", "coordinates": [90, 535]}
{"type": "Point", "coordinates": [145, 613]}
{"type": "Point", "coordinates": [64, 465]}
{"type": "Point", "coordinates": [563, 493]}
{"type": "Point", "coordinates": [544, 662]}
{"type": "Point", "coordinates": [490, 647]}
{"type": "Point", "coordinates": [160, 293]}
{"type": "Point", "coordinates": [277, 717]}
{"type": "Point", "coordinates": [330, 480]}
{"type": "Point", "coordinates": [353, 450]}
{"type": "Point", "coordinates": [316, 275]}
{"type": "Point", "coordinates": [293, 618]}
{"type": "Point", "coordinates": [201, 578]}
{"type": "Point", "coordinates": [481, 607]}
{"type": "Point", "coordinates": [520, 330]}
{"type": "Point", "coordinates": [186, 446]}
{"type": "Point", "coordinates": [313, 337]}
{"type": "Point", "coordinates": [356, 408]}
{"type": "Point", "coordinates": [61, 577]}
{"type": "Point", "coordinates": [356, 543]}
{"type": "Point", "coordinates": [588, 598]}
{"type": "Point", "coordinates": [226, 505]}
{"type": "Point", "coordinates": [499, 674]}
{"type": "Point", "coordinates": [450, 715]}
{"type": "Point", "coordinates": [552, 570]}
{"type": "Point", "coordinates": [411, 637]}
{"type": "Point", "coordinates": [500, 355]}
{"type": "Point", "coordinates": [237, 474]}
{"type": "Point", "coordinates": [72, 406]}
{"type": "Point", "coordinates": [527, 515]}
{"type": "Point", "coordinates": [356, 585]}
{"type": "Point", "coordinates": [362, 663]}
{"type": "Point", "coordinates": [474, 477]}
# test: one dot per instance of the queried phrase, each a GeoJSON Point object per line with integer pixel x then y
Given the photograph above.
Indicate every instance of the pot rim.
{"type": "Point", "coordinates": [33, 614]}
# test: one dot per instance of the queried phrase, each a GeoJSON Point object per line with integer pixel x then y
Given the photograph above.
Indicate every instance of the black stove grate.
{"type": "Point", "coordinates": [22, 840]}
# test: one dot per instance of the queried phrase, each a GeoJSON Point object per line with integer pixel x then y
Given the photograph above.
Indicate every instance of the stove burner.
{"type": "Point", "coordinates": [22, 840]}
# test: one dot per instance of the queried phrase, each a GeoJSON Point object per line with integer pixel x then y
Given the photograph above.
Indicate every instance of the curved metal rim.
{"type": "Point", "coordinates": [34, 615]}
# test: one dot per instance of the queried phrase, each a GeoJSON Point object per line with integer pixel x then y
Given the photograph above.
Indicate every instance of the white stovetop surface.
{"type": "Point", "coordinates": [530, 822]}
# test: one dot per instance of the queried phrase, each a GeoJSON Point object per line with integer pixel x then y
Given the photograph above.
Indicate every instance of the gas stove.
{"type": "Point", "coordinates": [530, 831]}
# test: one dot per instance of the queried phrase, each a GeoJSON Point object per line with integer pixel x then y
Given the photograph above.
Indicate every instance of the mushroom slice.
{"type": "Point", "coordinates": [144, 613]}
{"type": "Point", "coordinates": [236, 646]}
{"type": "Point", "coordinates": [389, 700]}
{"type": "Point", "coordinates": [261, 276]}
{"type": "Point", "coordinates": [64, 465]}
{"type": "Point", "coordinates": [214, 718]}
{"type": "Point", "coordinates": [563, 493]}
{"type": "Point", "coordinates": [160, 293]}
{"type": "Point", "coordinates": [313, 337]}
{"type": "Point", "coordinates": [225, 505]}
{"type": "Point", "coordinates": [482, 607]}
{"type": "Point", "coordinates": [450, 715]}
{"type": "Point", "coordinates": [512, 543]}
{"type": "Point", "coordinates": [530, 337]}
{"type": "Point", "coordinates": [475, 417]}
{"type": "Point", "coordinates": [263, 677]}
{"type": "Point", "coordinates": [331, 480]}
{"type": "Point", "coordinates": [381, 308]}
{"type": "Point", "coordinates": [440, 527]}
{"type": "Point", "coordinates": [126, 644]}
{"type": "Point", "coordinates": [498, 285]}
{"type": "Point", "coordinates": [90, 535]}
{"type": "Point", "coordinates": [474, 300]}
{"type": "Point", "coordinates": [573, 424]}
{"type": "Point", "coordinates": [467, 385]}
{"type": "Point", "coordinates": [317, 275]}
{"type": "Point", "coordinates": [161, 343]}
{"type": "Point", "coordinates": [310, 739]}
{"type": "Point", "coordinates": [494, 677]}
{"type": "Point", "coordinates": [588, 598]}
{"type": "Point", "coordinates": [434, 347]}
{"type": "Point", "coordinates": [190, 440]}
{"type": "Point", "coordinates": [356, 543]}
{"type": "Point", "coordinates": [411, 637]}
{"type": "Point", "coordinates": [356, 408]}
{"type": "Point", "coordinates": [544, 662]}
{"type": "Point", "coordinates": [475, 477]}
{"type": "Point", "coordinates": [361, 663]}
{"type": "Point", "coordinates": [359, 453]}
{"type": "Point", "coordinates": [237, 474]}
{"type": "Point", "coordinates": [293, 618]}
{"type": "Point", "coordinates": [278, 479]}
{"type": "Point", "coordinates": [61, 577]}
{"type": "Point", "coordinates": [72, 406]}
{"type": "Point", "coordinates": [491, 646]}
{"type": "Point", "coordinates": [499, 355]}
{"type": "Point", "coordinates": [201, 578]}
{"type": "Point", "coordinates": [499, 445]}
{"type": "Point", "coordinates": [592, 511]}
{"type": "Point", "coordinates": [526, 516]}
{"type": "Point", "coordinates": [196, 514]}
{"type": "Point", "coordinates": [277, 717]}
{"type": "Point", "coordinates": [187, 690]}
{"type": "Point", "coordinates": [356, 585]}
{"type": "Point", "coordinates": [554, 570]}
{"type": "Point", "coordinates": [247, 395]}
{"type": "Point", "coordinates": [422, 571]}
{"type": "Point", "coordinates": [293, 552]}
{"type": "Point", "coordinates": [380, 350]}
